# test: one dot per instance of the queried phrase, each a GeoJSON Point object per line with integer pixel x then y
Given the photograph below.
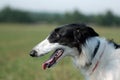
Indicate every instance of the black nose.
{"type": "Point", "coordinates": [33, 53]}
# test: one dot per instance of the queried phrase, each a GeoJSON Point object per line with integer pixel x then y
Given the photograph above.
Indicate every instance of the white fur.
{"type": "Point", "coordinates": [45, 46]}
{"type": "Point", "coordinates": [109, 63]}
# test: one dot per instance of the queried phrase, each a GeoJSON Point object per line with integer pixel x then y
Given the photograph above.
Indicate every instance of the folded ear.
{"type": "Point", "coordinates": [83, 33]}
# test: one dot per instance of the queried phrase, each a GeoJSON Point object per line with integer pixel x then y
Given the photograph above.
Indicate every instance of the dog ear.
{"type": "Point", "coordinates": [81, 34]}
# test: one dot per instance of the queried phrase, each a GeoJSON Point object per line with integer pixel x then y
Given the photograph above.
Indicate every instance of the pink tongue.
{"type": "Point", "coordinates": [47, 63]}
{"type": "Point", "coordinates": [53, 59]}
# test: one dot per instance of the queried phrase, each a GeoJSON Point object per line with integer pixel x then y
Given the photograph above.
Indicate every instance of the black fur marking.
{"type": "Point", "coordinates": [72, 35]}
{"type": "Point", "coordinates": [115, 44]}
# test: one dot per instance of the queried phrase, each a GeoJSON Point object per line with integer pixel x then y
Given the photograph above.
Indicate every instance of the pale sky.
{"type": "Point", "coordinates": [85, 6]}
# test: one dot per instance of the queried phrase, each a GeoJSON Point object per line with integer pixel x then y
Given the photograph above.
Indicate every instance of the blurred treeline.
{"type": "Point", "coordinates": [19, 16]}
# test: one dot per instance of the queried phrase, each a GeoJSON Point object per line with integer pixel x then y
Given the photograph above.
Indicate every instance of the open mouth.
{"type": "Point", "coordinates": [53, 59]}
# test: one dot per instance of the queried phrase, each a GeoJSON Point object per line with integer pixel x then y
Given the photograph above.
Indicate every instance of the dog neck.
{"type": "Point", "coordinates": [92, 52]}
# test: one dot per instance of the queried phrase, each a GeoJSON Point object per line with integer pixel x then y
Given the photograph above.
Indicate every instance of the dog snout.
{"type": "Point", "coordinates": [33, 53]}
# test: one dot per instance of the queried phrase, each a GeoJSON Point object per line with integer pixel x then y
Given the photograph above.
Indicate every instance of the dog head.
{"type": "Point", "coordinates": [64, 41]}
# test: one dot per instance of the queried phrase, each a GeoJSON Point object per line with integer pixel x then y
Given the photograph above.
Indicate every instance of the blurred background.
{"type": "Point", "coordinates": [24, 23]}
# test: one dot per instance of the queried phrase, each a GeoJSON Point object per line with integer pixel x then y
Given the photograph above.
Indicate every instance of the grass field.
{"type": "Point", "coordinates": [16, 41]}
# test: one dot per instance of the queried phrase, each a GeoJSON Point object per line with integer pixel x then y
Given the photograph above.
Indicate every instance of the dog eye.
{"type": "Point", "coordinates": [57, 35]}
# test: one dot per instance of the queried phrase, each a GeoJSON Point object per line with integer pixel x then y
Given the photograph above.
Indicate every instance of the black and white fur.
{"type": "Point", "coordinates": [96, 57]}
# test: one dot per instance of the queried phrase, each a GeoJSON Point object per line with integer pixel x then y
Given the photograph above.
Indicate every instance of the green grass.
{"type": "Point", "coordinates": [16, 41]}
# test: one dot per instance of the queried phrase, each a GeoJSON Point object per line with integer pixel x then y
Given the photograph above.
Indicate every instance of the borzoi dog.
{"type": "Point", "coordinates": [96, 57]}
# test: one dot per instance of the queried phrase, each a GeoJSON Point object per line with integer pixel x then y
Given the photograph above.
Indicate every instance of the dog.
{"type": "Point", "coordinates": [96, 57]}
